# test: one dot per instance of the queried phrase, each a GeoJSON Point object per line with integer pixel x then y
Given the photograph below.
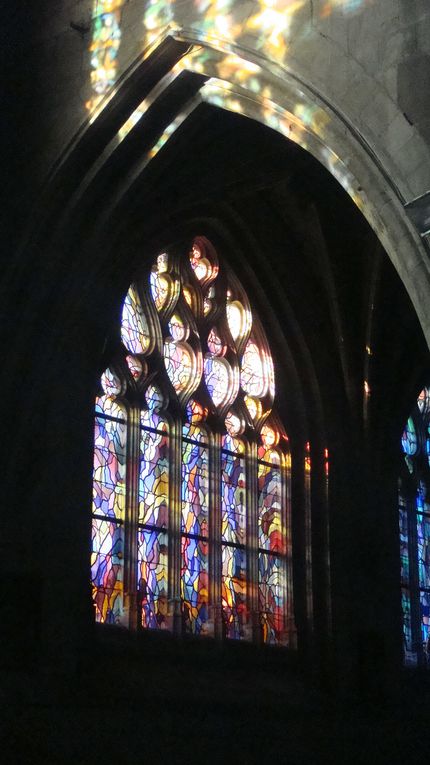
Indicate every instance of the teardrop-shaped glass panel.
{"type": "Point", "coordinates": [200, 264]}
{"type": "Point", "coordinates": [153, 398]}
{"type": "Point", "coordinates": [111, 383]}
{"type": "Point", "coordinates": [253, 372]}
{"type": "Point", "coordinates": [254, 407]}
{"type": "Point", "coordinates": [196, 412]}
{"type": "Point", "coordinates": [239, 320]}
{"type": "Point", "coordinates": [177, 328]}
{"type": "Point", "coordinates": [135, 366]}
{"type": "Point", "coordinates": [160, 287]}
{"type": "Point", "coordinates": [179, 365]}
{"type": "Point", "coordinates": [134, 327]}
{"type": "Point", "coordinates": [215, 344]}
{"type": "Point", "coordinates": [233, 424]}
{"type": "Point", "coordinates": [218, 380]}
{"type": "Point", "coordinates": [424, 401]}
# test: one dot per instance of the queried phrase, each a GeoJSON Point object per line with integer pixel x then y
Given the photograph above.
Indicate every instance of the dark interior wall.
{"type": "Point", "coordinates": [324, 290]}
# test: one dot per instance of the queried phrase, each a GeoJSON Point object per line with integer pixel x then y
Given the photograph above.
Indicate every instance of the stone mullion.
{"type": "Point", "coordinates": [174, 560]}
{"type": "Point", "coordinates": [215, 545]}
{"type": "Point", "coordinates": [252, 540]}
{"type": "Point", "coordinates": [130, 618]}
{"type": "Point", "coordinates": [290, 626]}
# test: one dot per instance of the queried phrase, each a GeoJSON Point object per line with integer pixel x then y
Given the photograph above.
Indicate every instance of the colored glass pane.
{"type": "Point", "coordinates": [208, 301]}
{"type": "Point", "coordinates": [196, 412]}
{"type": "Point", "coordinates": [215, 344]}
{"type": "Point", "coordinates": [254, 407]}
{"type": "Point", "coordinates": [233, 591]}
{"type": "Point", "coordinates": [269, 436]}
{"type": "Point", "coordinates": [201, 266]}
{"type": "Point", "coordinates": [135, 366]}
{"type": "Point", "coordinates": [108, 406]}
{"type": "Point", "coordinates": [152, 578]}
{"type": "Point", "coordinates": [233, 498]}
{"type": "Point", "coordinates": [153, 478]}
{"type": "Point", "coordinates": [271, 455]}
{"type": "Point", "coordinates": [233, 423]}
{"type": "Point", "coordinates": [232, 444]}
{"type": "Point", "coordinates": [271, 597]}
{"type": "Point", "coordinates": [160, 289]}
{"type": "Point", "coordinates": [404, 541]}
{"type": "Point", "coordinates": [424, 401]}
{"type": "Point", "coordinates": [217, 379]}
{"type": "Point", "coordinates": [253, 373]}
{"type": "Point", "coordinates": [154, 399]}
{"type": "Point", "coordinates": [407, 628]}
{"type": "Point", "coordinates": [107, 570]}
{"type": "Point", "coordinates": [423, 542]}
{"type": "Point", "coordinates": [177, 328]}
{"type": "Point", "coordinates": [270, 527]}
{"type": "Point", "coordinates": [428, 444]}
{"type": "Point", "coordinates": [195, 432]}
{"type": "Point", "coordinates": [238, 319]}
{"type": "Point", "coordinates": [134, 327]}
{"type": "Point", "coordinates": [308, 458]}
{"type": "Point", "coordinates": [105, 45]}
{"type": "Point", "coordinates": [151, 419]}
{"type": "Point", "coordinates": [189, 296]}
{"type": "Point", "coordinates": [162, 263]}
{"type": "Point", "coordinates": [111, 383]}
{"type": "Point", "coordinates": [409, 438]}
{"type": "Point", "coordinates": [109, 467]}
{"type": "Point", "coordinates": [179, 365]}
{"type": "Point", "coordinates": [195, 488]}
{"type": "Point", "coordinates": [425, 615]}
{"type": "Point", "coordinates": [194, 584]}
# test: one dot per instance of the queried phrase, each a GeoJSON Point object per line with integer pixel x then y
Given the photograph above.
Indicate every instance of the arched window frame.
{"type": "Point", "coordinates": [184, 321]}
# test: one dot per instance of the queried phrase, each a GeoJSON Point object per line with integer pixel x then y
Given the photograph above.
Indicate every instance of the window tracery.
{"type": "Point", "coordinates": [191, 520]}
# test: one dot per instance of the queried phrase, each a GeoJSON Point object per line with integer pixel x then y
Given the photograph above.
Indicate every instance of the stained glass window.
{"type": "Point", "coordinates": [191, 484]}
{"type": "Point", "coordinates": [414, 527]}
